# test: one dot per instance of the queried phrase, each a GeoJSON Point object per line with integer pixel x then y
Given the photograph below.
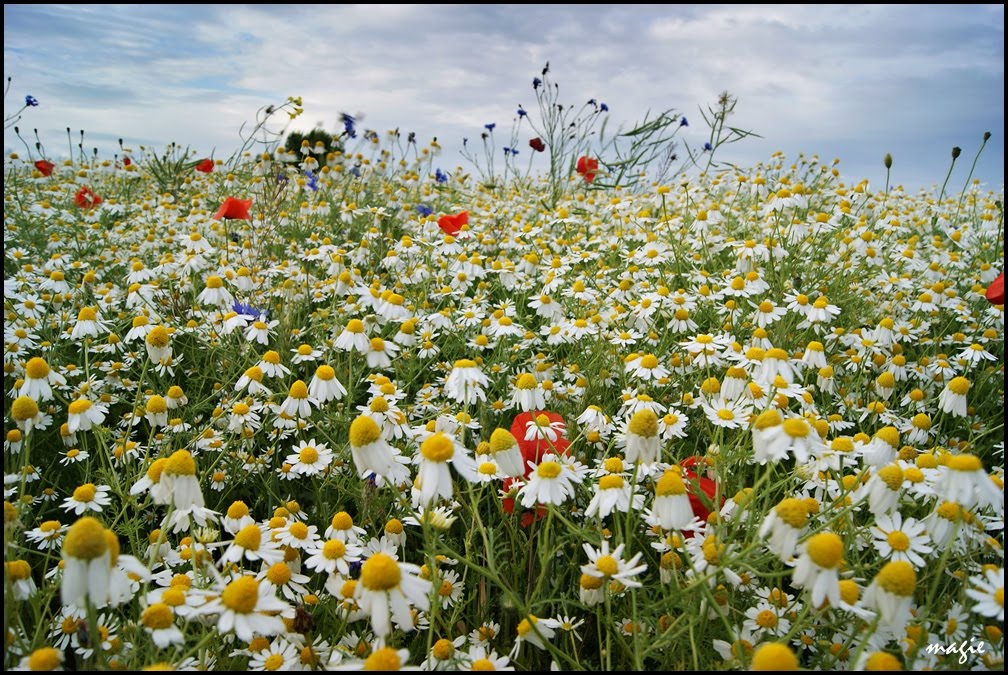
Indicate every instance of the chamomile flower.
{"type": "Point", "coordinates": [341, 526]}
{"type": "Point", "coordinates": [987, 590]}
{"type": "Point", "coordinates": [964, 480]}
{"type": "Point", "coordinates": [817, 568]}
{"type": "Point", "coordinates": [87, 561]}
{"type": "Point", "coordinates": [784, 524]}
{"type": "Point", "coordinates": [88, 497]}
{"type": "Point", "coordinates": [39, 379]}
{"type": "Point", "coordinates": [898, 539]}
{"type": "Point", "coordinates": [611, 566]}
{"type": "Point", "coordinates": [527, 393]}
{"type": "Point", "coordinates": [48, 535]}
{"type": "Point", "coordinates": [388, 590]}
{"type": "Point", "coordinates": [83, 414]}
{"type": "Point", "coordinates": [774, 656]}
{"type": "Point", "coordinates": [158, 621]}
{"type": "Point", "coordinates": [639, 437]}
{"type": "Point", "coordinates": [466, 383]}
{"type": "Point", "coordinates": [613, 492]}
{"type": "Point", "coordinates": [252, 542]}
{"type": "Point", "coordinates": [952, 398]}
{"type": "Point", "coordinates": [671, 506]}
{"type": "Point", "coordinates": [552, 481]}
{"type": "Point", "coordinates": [310, 458]}
{"type": "Point", "coordinates": [324, 386]}
{"type": "Point", "coordinates": [247, 607]}
{"type": "Point", "coordinates": [504, 449]}
{"type": "Point", "coordinates": [436, 452]}
{"type": "Point", "coordinates": [891, 593]}
{"type": "Point", "coordinates": [333, 556]}
{"type": "Point", "coordinates": [372, 455]}
{"type": "Point", "coordinates": [252, 380]}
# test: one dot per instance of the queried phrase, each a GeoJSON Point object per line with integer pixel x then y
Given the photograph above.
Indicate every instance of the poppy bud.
{"type": "Point", "coordinates": [887, 161]}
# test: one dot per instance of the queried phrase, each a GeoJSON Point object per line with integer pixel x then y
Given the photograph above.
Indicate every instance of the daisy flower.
{"type": "Point", "coordinates": [26, 414]}
{"type": "Point", "coordinates": [671, 506]}
{"type": "Point", "coordinates": [252, 542]}
{"type": "Point", "coordinates": [466, 383]}
{"type": "Point", "coordinates": [48, 535]}
{"type": "Point", "coordinates": [305, 353]}
{"type": "Point", "coordinates": [158, 621]}
{"type": "Point", "coordinates": [436, 452]}
{"type": "Point", "coordinates": [952, 398]}
{"type": "Point", "coordinates": [260, 331]}
{"type": "Point", "coordinates": [247, 607]}
{"type": "Point", "coordinates": [613, 492]}
{"type": "Point", "coordinates": [534, 630]}
{"type": "Point", "coordinates": [353, 337]}
{"type": "Point", "coordinates": [39, 380]}
{"type": "Point", "coordinates": [505, 452]}
{"type": "Point", "coordinates": [891, 593]}
{"type": "Point", "coordinates": [271, 366]}
{"type": "Point", "coordinates": [88, 497]}
{"type": "Point", "coordinates": [324, 386]}
{"type": "Point", "coordinates": [380, 352]}
{"type": "Point", "coordinates": [896, 539]}
{"type": "Point", "coordinates": [483, 658]}
{"type": "Point", "coordinates": [964, 480]}
{"type": "Point", "coordinates": [785, 523]}
{"type": "Point", "coordinates": [333, 556]}
{"type": "Point", "coordinates": [388, 590]}
{"type": "Point", "coordinates": [297, 535]}
{"type": "Point", "coordinates": [774, 656]}
{"type": "Point", "coordinates": [611, 566]}
{"type": "Point", "coordinates": [87, 561]}
{"type": "Point", "coordinates": [552, 481]}
{"type": "Point", "coordinates": [639, 437]}
{"type": "Point", "coordinates": [310, 458]}
{"type": "Point", "coordinates": [341, 526]}
{"type": "Point", "coordinates": [298, 403]}
{"type": "Point", "coordinates": [817, 568]}
{"type": "Point", "coordinates": [280, 655]}
{"type": "Point", "coordinates": [373, 455]}
{"type": "Point", "coordinates": [528, 393]}
{"type": "Point", "coordinates": [987, 590]}
{"type": "Point", "coordinates": [726, 413]}
{"type": "Point", "coordinates": [84, 414]}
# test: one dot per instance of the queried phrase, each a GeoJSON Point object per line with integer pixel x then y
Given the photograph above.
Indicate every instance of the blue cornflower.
{"type": "Point", "coordinates": [311, 181]}
{"type": "Point", "coordinates": [246, 309]}
{"type": "Point", "coordinates": [521, 112]}
{"type": "Point", "coordinates": [490, 127]}
{"type": "Point", "coordinates": [603, 107]}
{"type": "Point", "coordinates": [707, 147]}
{"type": "Point", "coordinates": [684, 122]}
{"type": "Point", "coordinates": [355, 171]}
{"type": "Point", "coordinates": [281, 177]}
{"type": "Point", "coordinates": [30, 100]}
{"type": "Point", "coordinates": [536, 82]}
{"type": "Point", "coordinates": [514, 151]}
{"type": "Point", "coordinates": [423, 210]}
{"type": "Point", "coordinates": [348, 125]}
{"type": "Point", "coordinates": [440, 176]}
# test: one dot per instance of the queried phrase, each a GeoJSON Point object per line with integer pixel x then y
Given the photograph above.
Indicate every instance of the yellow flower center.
{"type": "Point", "coordinates": [644, 423]}
{"type": "Point", "coordinates": [379, 405]}
{"type": "Point", "coordinates": [254, 373]}
{"type": "Point", "coordinates": [158, 616]}
{"type": "Point", "coordinates": [241, 595]}
{"type": "Point", "coordinates": [342, 521]}
{"type": "Point", "coordinates": [214, 281]}
{"type": "Point", "coordinates": [249, 537]}
{"type": "Point", "coordinates": [334, 549]}
{"type": "Point", "coordinates": [385, 658]}
{"type": "Point", "coordinates": [299, 390]}
{"type": "Point", "coordinates": [85, 540]}
{"type": "Point", "coordinates": [156, 405]}
{"type": "Point", "coordinates": [796, 428]}
{"type": "Point", "coordinates": [793, 512]}
{"type": "Point", "coordinates": [79, 407]}
{"type": "Point", "coordinates": [273, 662]}
{"type": "Point", "coordinates": [364, 431]}
{"type": "Point", "coordinates": [36, 368]}
{"type": "Point", "coordinates": [959, 385]}
{"type": "Point", "coordinates": [272, 357]}
{"type": "Point", "coordinates": [325, 373]}
{"type": "Point", "coordinates": [355, 326]}
{"type": "Point", "coordinates": [85, 493]}
{"type": "Point", "coordinates": [774, 656]}
{"type": "Point", "coordinates": [298, 530]}
{"type": "Point", "coordinates": [308, 455]}
{"type": "Point", "coordinates": [181, 463]}
{"type": "Point", "coordinates": [380, 572]}
{"type": "Point", "coordinates": [487, 468]}
{"type": "Point", "coordinates": [649, 361]}
{"type": "Point", "coordinates": [157, 337]}
{"type": "Point", "coordinates": [892, 476]}
{"type": "Point", "coordinates": [611, 482]}
{"type": "Point", "coordinates": [882, 661]}
{"type": "Point", "coordinates": [591, 583]}
{"type": "Point", "coordinates": [548, 469]}
{"type": "Point", "coordinates": [607, 565]}
{"type": "Point", "coordinates": [45, 659]}
{"type": "Point", "coordinates": [898, 577]}
{"type": "Point", "coordinates": [825, 549]}
{"type": "Point", "coordinates": [766, 619]}
{"type": "Point", "coordinates": [437, 447]}
{"type": "Point", "coordinates": [279, 574]}
{"type": "Point", "coordinates": [671, 483]}
{"type": "Point", "coordinates": [898, 540]}
{"type": "Point", "coordinates": [377, 344]}
{"type": "Point", "coordinates": [965, 463]}
{"type": "Point", "coordinates": [238, 509]}
{"type": "Point", "coordinates": [24, 408]}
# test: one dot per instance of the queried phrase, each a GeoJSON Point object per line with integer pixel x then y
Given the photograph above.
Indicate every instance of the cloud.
{"type": "Point", "coordinates": [850, 81]}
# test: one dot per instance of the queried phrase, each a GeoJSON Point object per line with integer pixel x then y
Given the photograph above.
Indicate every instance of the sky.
{"type": "Point", "coordinates": [847, 82]}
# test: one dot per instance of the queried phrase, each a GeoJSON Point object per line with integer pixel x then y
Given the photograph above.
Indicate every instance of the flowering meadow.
{"type": "Point", "coordinates": [357, 408]}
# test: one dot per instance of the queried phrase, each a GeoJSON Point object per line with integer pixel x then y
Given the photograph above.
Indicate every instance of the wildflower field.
{"type": "Point", "coordinates": [359, 408]}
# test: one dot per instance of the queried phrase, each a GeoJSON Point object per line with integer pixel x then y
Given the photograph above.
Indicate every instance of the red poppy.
{"type": "Point", "coordinates": [587, 167]}
{"type": "Point", "coordinates": [995, 292]}
{"type": "Point", "coordinates": [86, 198]}
{"type": "Point", "coordinates": [452, 224]}
{"type": "Point", "coordinates": [532, 451]}
{"type": "Point", "coordinates": [127, 161]}
{"type": "Point", "coordinates": [44, 166]}
{"type": "Point", "coordinates": [205, 166]}
{"type": "Point", "coordinates": [706, 485]}
{"type": "Point", "coordinates": [237, 209]}
{"type": "Point", "coordinates": [537, 144]}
